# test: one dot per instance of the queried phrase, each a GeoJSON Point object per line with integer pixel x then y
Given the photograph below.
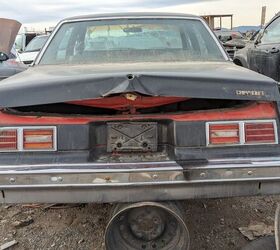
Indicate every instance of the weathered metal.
{"type": "Point", "coordinates": [147, 225]}
{"type": "Point", "coordinates": [86, 167]}
{"type": "Point", "coordinates": [222, 80]}
{"type": "Point", "coordinates": [8, 31]}
{"type": "Point", "coordinates": [132, 137]}
{"type": "Point", "coordinates": [164, 180]}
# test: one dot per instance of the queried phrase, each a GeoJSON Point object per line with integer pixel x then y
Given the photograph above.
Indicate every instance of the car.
{"type": "Point", "coordinates": [28, 55]}
{"type": "Point", "coordinates": [240, 57]}
{"type": "Point", "coordinates": [9, 64]}
{"type": "Point", "coordinates": [228, 35]}
{"type": "Point", "coordinates": [137, 109]}
{"type": "Point", "coordinates": [23, 39]}
{"type": "Point", "coordinates": [231, 40]}
{"type": "Point", "coordinates": [263, 53]}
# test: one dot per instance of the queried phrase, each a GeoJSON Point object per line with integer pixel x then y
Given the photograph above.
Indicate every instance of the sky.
{"type": "Point", "coordinates": [47, 13]}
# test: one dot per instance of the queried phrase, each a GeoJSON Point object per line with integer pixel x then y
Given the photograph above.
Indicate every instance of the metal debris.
{"type": "Point", "coordinates": [23, 223]}
{"type": "Point", "coordinates": [33, 205]}
{"type": "Point", "coordinates": [8, 244]}
{"type": "Point", "coordinates": [256, 230]}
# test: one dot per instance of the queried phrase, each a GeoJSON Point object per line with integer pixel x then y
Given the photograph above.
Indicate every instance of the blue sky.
{"type": "Point", "coordinates": [49, 12]}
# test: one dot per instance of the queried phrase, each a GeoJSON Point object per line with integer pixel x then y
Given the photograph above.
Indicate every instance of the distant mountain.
{"type": "Point", "coordinates": [244, 29]}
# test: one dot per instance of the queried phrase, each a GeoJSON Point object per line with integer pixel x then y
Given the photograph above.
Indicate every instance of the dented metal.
{"type": "Point", "coordinates": [151, 173]}
{"type": "Point", "coordinates": [63, 83]}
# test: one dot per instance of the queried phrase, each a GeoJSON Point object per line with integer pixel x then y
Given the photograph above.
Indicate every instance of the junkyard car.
{"type": "Point", "coordinates": [9, 64]}
{"type": "Point", "coordinates": [232, 41]}
{"type": "Point", "coordinates": [32, 49]}
{"type": "Point", "coordinates": [263, 55]}
{"type": "Point", "coordinates": [137, 108]}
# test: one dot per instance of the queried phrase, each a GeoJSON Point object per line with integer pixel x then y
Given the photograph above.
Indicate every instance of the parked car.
{"type": "Point", "coordinates": [32, 49]}
{"type": "Point", "coordinates": [143, 108]}
{"type": "Point", "coordinates": [8, 56]}
{"type": "Point", "coordinates": [227, 35]}
{"type": "Point", "coordinates": [232, 41]}
{"type": "Point", "coordinates": [23, 39]}
{"type": "Point", "coordinates": [263, 54]}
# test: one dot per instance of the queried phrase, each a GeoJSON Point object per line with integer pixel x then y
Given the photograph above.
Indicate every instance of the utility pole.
{"type": "Point", "coordinates": [263, 16]}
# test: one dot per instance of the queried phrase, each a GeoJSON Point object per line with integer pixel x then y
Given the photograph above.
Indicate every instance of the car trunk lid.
{"type": "Point", "coordinates": [58, 84]}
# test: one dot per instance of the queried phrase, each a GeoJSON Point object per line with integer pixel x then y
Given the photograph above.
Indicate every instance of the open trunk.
{"type": "Point", "coordinates": [137, 112]}
{"type": "Point", "coordinates": [131, 103]}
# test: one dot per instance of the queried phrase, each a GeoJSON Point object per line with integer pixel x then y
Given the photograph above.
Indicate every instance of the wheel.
{"type": "Point", "coordinates": [146, 225]}
{"type": "Point", "coordinates": [264, 243]}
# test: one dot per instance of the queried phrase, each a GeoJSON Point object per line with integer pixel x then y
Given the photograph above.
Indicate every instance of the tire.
{"type": "Point", "coordinates": [237, 62]}
{"type": "Point", "coordinates": [265, 243]}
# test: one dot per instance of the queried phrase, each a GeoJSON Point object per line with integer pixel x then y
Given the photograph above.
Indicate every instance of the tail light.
{"type": "Point", "coordinates": [224, 134]}
{"type": "Point", "coordinates": [260, 133]}
{"type": "Point", "coordinates": [28, 139]}
{"type": "Point", "coordinates": [8, 139]}
{"type": "Point", "coordinates": [241, 133]}
{"type": "Point", "coordinates": [34, 139]}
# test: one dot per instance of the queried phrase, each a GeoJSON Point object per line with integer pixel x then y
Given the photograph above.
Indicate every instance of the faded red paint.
{"type": "Point", "coordinates": [123, 103]}
{"type": "Point", "coordinates": [252, 111]}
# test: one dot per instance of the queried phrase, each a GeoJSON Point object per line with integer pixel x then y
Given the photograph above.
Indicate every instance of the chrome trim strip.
{"type": "Point", "coordinates": [164, 173]}
{"type": "Point", "coordinates": [241, 132]}
{"type": "Point", "coordinates": [42, 51]}
{"type": "Point", "coordinates": [91, 167]}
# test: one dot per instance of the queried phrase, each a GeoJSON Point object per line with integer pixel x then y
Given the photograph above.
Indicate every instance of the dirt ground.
{"type": "Point", "coordinates": [213, 224]}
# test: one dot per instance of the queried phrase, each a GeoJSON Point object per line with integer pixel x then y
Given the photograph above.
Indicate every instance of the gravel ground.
{"type": "Point", "coordinates": [213, 224]}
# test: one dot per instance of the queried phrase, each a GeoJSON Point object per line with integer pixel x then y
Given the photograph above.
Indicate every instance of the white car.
{"type": "Point", "coordinates": [32, 49]}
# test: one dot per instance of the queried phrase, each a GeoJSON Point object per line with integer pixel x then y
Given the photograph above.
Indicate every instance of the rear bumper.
{"type": "Point", "coordinates": [130, 182]}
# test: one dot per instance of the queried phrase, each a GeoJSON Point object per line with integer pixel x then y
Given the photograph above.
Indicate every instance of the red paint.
{"type": "Point", "coordinates": [122, 103]}
{"type": "Point", "coordinates": [252, 111]}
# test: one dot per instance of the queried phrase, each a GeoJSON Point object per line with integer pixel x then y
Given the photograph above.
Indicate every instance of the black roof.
{"type": "Point", "coordinates": [129, 14]}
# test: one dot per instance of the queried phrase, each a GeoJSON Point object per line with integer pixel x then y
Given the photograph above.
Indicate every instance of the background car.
{"type": "Point", "coordinates": [9, 64]}
{"type": "Point", "coordinates": [231, 40]}
{"type": "Point", "coordinates": [263, 55]}
{"type": "Point", "coordinates": [32, 49]}
{"type": "Point", "coordinates": [23, 39]}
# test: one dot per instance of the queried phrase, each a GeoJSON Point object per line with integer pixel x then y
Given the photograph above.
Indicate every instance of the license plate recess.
{"type": "Point", "coordinates": [132, 136]}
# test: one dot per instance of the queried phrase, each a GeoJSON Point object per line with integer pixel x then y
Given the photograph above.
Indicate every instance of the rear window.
{"type": "Point", "coordinates": [132, 40]}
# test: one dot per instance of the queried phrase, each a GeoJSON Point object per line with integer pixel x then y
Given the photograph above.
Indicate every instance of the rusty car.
{"type": "Point", "coordinates": [140, 110]}
{"type": "Point", "coordinates": [263, 53]}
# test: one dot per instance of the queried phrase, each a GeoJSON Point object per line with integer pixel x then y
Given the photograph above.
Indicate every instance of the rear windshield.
{"type": "Point", "coordinates": [132, 40]}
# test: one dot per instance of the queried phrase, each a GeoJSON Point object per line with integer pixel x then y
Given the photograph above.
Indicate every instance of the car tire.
{"type": "Point", "coordinates": [264, 243]}
{"type": "Point", "coordinates": [238, 62]}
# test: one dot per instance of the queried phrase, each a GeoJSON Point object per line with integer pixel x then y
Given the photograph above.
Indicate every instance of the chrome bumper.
{"type": "Point", "coordinates": [124, 182]}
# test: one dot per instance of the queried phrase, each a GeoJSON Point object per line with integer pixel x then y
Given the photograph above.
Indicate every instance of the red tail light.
{"type": "Point", "coordinates": [27, 139]}
{"type": "Point", "coordinates": [224, 133]}
{"type": "Point", "coordinates": [38, 139]}
{"type": "Point", "coordinates": [241, 133]}
{"type": "Point", "coordinates": [260, 133]}
{"type": "Point", "coordinates": [8, 140]}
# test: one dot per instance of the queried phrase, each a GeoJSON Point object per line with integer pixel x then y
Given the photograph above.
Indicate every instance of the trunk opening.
{"type": "Point", "coordinates": [186, 105]}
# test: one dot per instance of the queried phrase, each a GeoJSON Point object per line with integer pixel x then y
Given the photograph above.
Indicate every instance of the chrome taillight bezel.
{"type": "Point", "coordinates": [20, 142]}
{"type": "Point", "coordinates": [241, 125]}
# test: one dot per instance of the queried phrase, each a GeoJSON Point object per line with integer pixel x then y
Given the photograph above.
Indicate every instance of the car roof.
{"type": "Point", "coordinates": [274, 18]}
{"type": "Point", "coordinates": [130, 15]}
